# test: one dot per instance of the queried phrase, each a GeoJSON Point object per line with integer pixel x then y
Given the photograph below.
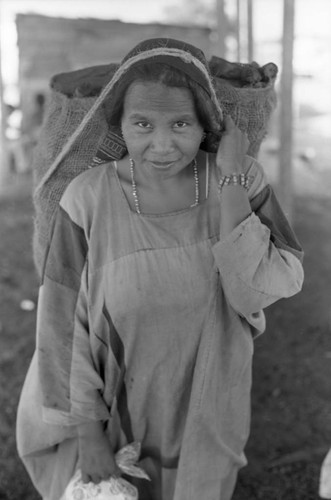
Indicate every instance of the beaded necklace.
{"type": "Point", "coordinates": [135, 190]}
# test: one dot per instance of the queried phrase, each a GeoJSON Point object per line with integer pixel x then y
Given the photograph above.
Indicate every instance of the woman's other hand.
{"type": "Point", "coordinates": [96, 457]}
{"type": "Point", "coordinates": [232, 149]}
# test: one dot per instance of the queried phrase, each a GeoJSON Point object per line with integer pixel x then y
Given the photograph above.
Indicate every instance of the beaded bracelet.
{"type": "Point", "coordinates": [235, 180]}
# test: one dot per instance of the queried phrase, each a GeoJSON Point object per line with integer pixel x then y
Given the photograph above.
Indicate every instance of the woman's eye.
{"type": "Point", "coordinates": [143, 124]}
{"type": "Point", "coordinates": [181, 124]}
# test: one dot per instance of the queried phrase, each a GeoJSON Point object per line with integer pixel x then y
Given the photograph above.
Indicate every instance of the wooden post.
{"type": "Point", "coordinates": [250, 31]}
{"type": "Point", "coordinates": [221, 28]}
{"type": "Point", "coordinates": [286, 110]}
{"type": "Point", "coordinates": [244, 31]}
{"type": "Point", "coordinates": [238, 26]}
{"type": "Point", "coordinates": [3, 142]}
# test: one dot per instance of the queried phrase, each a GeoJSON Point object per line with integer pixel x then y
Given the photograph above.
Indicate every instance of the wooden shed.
{"type": "Point", "coordinates": [49, 45]}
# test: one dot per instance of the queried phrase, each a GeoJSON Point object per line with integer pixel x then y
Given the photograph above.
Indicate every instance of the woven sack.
{"type": "Point", "coordinates": [249, 100]}
{"type": "Point", "coordinates": [250, 109]}
{"type": "Point", "coordinates": [63, 116]}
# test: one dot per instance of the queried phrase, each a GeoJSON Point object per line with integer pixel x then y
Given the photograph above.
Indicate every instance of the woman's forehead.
{"type": "Point", "coordinates": [153, 97]}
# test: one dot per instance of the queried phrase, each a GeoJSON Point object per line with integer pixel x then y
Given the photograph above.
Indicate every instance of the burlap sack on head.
{"type": "Point", "coordinates": [63, 116]}
{"type": "Point", "coordinates": [246, 92]}
{"type": "Point", "coordinates": [75, 132]}
{"type": "Point", "coordinates": [250, 108]}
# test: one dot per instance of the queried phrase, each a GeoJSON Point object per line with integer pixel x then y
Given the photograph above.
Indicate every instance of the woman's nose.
{"type": "Point", "coordinates": [162, 142]}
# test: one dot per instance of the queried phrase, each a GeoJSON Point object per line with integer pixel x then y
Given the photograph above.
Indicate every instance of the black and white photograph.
{"type": "Point", "coordinates": [165, 249]}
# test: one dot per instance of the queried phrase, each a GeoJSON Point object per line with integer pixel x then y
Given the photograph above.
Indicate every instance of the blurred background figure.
{"type": "Point", "coordinates": [20, 141]}
{"type": "Point", "coordinates": [15, 152]}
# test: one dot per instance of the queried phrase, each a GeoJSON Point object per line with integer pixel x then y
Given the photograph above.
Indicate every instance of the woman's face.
{"type": "Point", "coordinates": [160, 127]}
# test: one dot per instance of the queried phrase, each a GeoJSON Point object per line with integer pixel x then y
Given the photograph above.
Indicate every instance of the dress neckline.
{"type": "Point", "coordinates": [188, 209]}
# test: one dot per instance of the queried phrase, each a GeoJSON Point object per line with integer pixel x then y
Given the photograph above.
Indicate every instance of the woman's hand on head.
{"type": "Point", "coordinates": [232, 149]}
{"type": "Point", "coordinates": [96, 457]}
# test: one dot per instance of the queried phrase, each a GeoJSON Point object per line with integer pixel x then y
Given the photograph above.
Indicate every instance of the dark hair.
{"type": "Point", "coordinates": [170, 77]}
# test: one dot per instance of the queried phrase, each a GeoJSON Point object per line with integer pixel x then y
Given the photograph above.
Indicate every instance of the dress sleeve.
{"type": "Point", "coordinates": [71, 386]}
{"type": "Point", "coordinates": [260, 262]}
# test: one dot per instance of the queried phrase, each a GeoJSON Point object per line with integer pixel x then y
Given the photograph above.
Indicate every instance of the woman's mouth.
{"type": "Point", "coordinates": [162, 164]}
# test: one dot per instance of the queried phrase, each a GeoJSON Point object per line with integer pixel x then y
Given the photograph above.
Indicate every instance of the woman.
{"type": "Point", "coordinates": [158, 271]}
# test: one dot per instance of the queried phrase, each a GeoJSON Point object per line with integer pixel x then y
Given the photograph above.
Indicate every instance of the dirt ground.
{"type": "Point", "coordinates": [291, 398]}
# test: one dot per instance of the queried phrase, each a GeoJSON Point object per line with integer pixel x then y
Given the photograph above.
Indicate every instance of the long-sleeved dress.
{"type": "Point", "coordinates": [146, 322]}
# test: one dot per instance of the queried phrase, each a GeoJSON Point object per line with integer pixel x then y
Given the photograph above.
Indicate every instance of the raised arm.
{"type": "Point", "coordinates": [258, 255]}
